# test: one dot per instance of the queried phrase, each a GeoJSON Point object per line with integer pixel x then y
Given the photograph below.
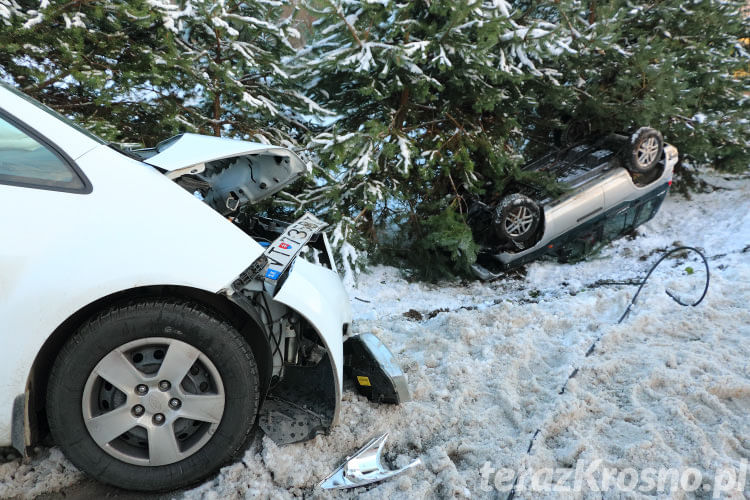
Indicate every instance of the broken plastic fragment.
{"type": "Point", "coordinates": [374, 369]}
{"type": "Point", "coordinates": [364, 467]}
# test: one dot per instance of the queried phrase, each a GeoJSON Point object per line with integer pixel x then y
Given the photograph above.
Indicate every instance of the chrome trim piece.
{"type": "Point", "coordinates": [364, 467]}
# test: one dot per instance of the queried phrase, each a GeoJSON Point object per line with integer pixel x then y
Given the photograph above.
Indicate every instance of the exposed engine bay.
{"type": "Point", "coordinates": [243, 173]}
{"type": "Point", "coordinates": [230, 183]}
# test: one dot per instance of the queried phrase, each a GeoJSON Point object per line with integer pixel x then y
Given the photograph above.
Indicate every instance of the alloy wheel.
{"type": "Point", "coordinates": [519, 221]}
{"type": "Point", "coordinates": [153, 401]}
{"type": "Point", "coordinates": [647, 152]}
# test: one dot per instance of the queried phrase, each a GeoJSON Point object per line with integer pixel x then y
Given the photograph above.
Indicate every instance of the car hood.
{"type": "Point", "coordinates": [228, 172]}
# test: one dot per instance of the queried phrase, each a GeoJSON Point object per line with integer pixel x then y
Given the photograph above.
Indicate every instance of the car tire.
{"type": "Point", "coordinates": [153, 395]}
{"type": "Point", "coordinates": [646, 147]}
{"type": "Point", "coordinates": [517, 218]}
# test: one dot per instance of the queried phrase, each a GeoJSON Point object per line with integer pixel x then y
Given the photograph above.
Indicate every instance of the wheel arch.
{"type": "Point", "coordinates": [30, 422]}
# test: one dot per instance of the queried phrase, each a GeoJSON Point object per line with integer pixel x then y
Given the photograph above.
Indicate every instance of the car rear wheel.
{"type": "Point", "coordinates": [517, 218]}
{"type": "Point", "coordinates": [646, 150]}
{"type": "Point", "coordinates": [154, 395]}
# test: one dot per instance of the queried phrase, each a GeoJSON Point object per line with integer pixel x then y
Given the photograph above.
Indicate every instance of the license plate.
{"type": "Point", "coordinates": [285, 248]}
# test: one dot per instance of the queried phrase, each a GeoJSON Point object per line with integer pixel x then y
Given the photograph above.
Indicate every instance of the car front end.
{"type": "Point", "coordinates": [292, 290]}
{"type": "Point", "coordinates": [152, 317]}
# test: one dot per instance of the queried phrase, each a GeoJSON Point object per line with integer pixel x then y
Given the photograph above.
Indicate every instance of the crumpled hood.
{"type": "Point", "coordinates": [235, 172]}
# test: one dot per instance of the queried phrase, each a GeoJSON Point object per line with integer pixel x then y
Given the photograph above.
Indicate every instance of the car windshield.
{"type": "Point", "coordinates": [52, 112]}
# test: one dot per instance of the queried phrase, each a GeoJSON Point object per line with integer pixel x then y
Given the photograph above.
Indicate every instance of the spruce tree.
{"type": "Point", "coordinates": [141, 71]}
{"type": "Point", "coordinates": [671, 65]}
{"type": "Point", "coordinates": [234, 51]}
{"type": "Point", "coordinates": [110, 65]}
{"type": "Point", "coordinates": [426, 95]}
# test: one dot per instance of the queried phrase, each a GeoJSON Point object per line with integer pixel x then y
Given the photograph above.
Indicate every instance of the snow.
{"type": "Point", "coordinates": [403, 145]}
{"type": "Point", "coordinates": [669, 387]}
{"type": "Point", "coordinates": [38, 18]}
{"type": "Point", "coordinates": [48, 471]}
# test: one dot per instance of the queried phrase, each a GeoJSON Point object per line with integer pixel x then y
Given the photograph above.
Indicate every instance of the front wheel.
{"type": "Point", "coordinates": [517, 218]}
{"type": "Point", "coordinates": [154, 395]}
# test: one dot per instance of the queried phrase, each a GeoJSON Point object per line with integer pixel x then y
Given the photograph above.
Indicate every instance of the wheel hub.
{"type": "Point", "coordinates": [153, 401]}
{"type": "Point", "coordinates": [518, 221]}
{"type": "Point", "coordinates": [647, 151]}
{"type": "Point", "coordinates": [156, 403]}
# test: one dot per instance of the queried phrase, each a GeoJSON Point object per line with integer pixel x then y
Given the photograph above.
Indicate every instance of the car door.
{"type": "Point", "coordinates": [40, 191]}
{"type": "Point", "coordinates": [574, 209]}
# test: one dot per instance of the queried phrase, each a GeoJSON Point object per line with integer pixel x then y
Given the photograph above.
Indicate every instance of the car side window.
{"type": "Point", "coordinates": [27, 162]}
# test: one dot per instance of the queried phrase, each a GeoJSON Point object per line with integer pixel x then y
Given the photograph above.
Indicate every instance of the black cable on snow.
{"type": "Point", "coordinates": [641, 284]}
{"type": "Point", "coordinates": [671, 295]}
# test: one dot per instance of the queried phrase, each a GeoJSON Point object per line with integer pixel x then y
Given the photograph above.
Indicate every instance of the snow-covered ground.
{"type": "Point", "coordinates": [667, 388]}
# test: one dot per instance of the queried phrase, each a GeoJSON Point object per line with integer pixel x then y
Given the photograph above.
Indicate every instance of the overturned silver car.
{"type": "Point", "coordinates": [613, 183]}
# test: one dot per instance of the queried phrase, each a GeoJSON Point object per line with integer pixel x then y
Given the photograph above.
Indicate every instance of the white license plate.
{"type": "Point", "coordinates": [285, 248]}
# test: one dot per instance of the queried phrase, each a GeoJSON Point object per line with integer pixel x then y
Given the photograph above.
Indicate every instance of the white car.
{"type": "Point", "coordinates": [147, 319]}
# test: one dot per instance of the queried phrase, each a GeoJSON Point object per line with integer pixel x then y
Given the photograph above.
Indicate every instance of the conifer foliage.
{"type": "Point", "coordinates": [143, 70]}
{"type": "Point", "coordinates": [427, 96]}
{"type": "Point", "coordinates": [674, 65]}
{"type": "Point", "coordinates": [95, 61]}
{"type": "Point", "coordinates": [234, 52]}
{"type": "Point", "coordinates": [409, 109]}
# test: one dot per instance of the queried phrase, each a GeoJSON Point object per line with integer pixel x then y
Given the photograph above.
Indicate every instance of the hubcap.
{"type": "Point", "coordinates": [647, 152]}
{"type": "Point", "coordinates": [519, 221]}
{"type": "Point", "coordinates": [153, 401]}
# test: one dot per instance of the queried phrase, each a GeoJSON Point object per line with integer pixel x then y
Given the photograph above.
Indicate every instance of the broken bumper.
{"type": "Point", "coordinates": [374, 370]}
{"type": "Point", "coordinates": [306, 398]}
{"type": "Point", "coordinates": [308, 401]}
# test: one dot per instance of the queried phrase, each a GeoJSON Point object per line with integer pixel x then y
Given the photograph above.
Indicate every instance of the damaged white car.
{"type": "Point", "coordinates": [146, 330]}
